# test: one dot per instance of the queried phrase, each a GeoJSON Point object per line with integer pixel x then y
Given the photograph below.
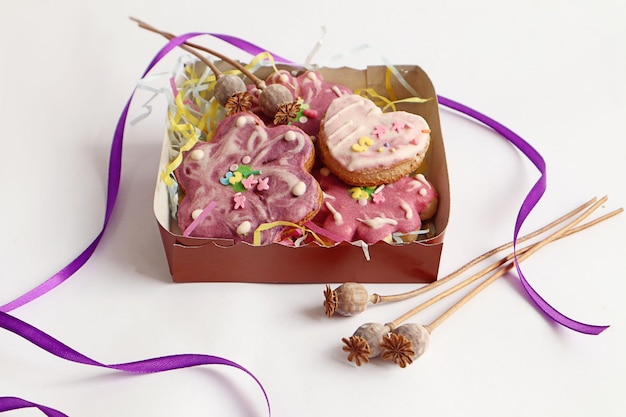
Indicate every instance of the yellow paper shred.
{"type": "Point", "coordinates": [388, 86]}
{"type": "Point", "coordinates": [260, 59]}
{"type": "Point", "coordinates": [267, 226]}
{"type": "Point", "coordinates": [385, 103]}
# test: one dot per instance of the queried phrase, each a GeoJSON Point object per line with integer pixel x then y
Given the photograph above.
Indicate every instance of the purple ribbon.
{"type": "Point", "coordinates": [115, 168]}
{"type": "Point", "coordinates": [14, 403]}
{"type": "Point", "coordinates": [531, 200]}
{"type": "Point", "coordinates": [55, 347]}
{"type": "Point", "coordinates": [147, 366]}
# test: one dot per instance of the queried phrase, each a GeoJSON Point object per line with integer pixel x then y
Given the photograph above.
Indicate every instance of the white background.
{"type": "Point", "coordinates": [553, 71]}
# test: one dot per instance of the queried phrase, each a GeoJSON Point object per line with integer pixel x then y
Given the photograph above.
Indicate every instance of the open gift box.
{"type": "Point", "coordinates": [193, 259]}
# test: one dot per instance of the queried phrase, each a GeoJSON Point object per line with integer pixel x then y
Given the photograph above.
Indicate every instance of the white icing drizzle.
{"type": "Point", "coordinates": [366, 250]}
{"type": "Point", "coordinates": [328, 196]}
{"type": "Point", "coordinates": [423, 192]}
{"type": "Point", "coordinates": [300, 138]}
{"type": "Point", "coordinates": [299, 141]}
{"type": "Point", "coordinates": [373, 112]}
{"type": "Point", "coordinates": [337, 217]}
{"type": "Point", "coordinates": [336, 90]}
{"type": "Point", "coordinates": [244, 228]}
{"type": "Point", "coordinates": [339, 113]}
{"type": "Point", "coordinates": [258, 136]}
{"type": "Point", "coordinates": [352, 136]}
{"type": "Point", "coordinates": [422, 179]}
{"type": "Point", "coordinates": [408, 211]}
{"type": "Point", "coordinates": [378, 222]}
{"type": "Point", "coordinates": [413, 185]}
{"type": "Point", "coordinates": [314, 82]}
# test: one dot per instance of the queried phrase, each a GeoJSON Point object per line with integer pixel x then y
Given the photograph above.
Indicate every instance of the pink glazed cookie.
{"type": "Point", "coordinates": [247, 175]}
{"type": "Point", "coordinates": [366, 147]}
{"type": "Point", "coordinates": [313, 93]}
{"type": "Point", "coordinates": [374, 213]}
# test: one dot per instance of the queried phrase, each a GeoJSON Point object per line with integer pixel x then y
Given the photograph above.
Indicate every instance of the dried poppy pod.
{"type": "Point", "coordinates": [349, 299]}
{"type": "Point", "coordinates": [227, 86]}
{"type": "Point", "coordinates": [365, 343]}
{"type": "Point", "coordinates": [272, 97]}
{"type": "Point", "coordinates": [405, 344]}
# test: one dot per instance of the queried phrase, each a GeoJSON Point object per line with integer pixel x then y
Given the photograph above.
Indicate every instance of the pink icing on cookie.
{"type": "Point", "coordinates": [255, 174]}
{"type": "Point", "coordinates": [372, 214]}
{"type": "Point", "coordinates": [315, 93]}
{"type": "Point", "coordinates": [360, 137]}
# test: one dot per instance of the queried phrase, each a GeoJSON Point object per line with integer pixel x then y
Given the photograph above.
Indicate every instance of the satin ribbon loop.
{"type": "Point", "coordinates": [57, 348]}
{"type": "Point", "coordinates": [146, 366]}
{"type": "Point", "coordinates": [14, 403]}
{"type": "Point", "coordinates": [529, 203]}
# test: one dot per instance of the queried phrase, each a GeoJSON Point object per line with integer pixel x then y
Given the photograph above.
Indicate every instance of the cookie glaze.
{"type": "Point", "coordinates": [357, 137]}
{"type": "Point", "coordinates": [254, 174]}
{"type": "Point", "coordinates": [372, 214]}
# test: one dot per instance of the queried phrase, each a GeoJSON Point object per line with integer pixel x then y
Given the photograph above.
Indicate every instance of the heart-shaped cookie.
{"type": "Point", "coordinates": [364, 146]}
{"type": "Point", "coordinates": [371, 214]}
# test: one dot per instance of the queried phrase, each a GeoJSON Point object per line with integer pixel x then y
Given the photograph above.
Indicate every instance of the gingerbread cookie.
{"type": "Point", "coordinates": [366, 147]}
{"type": "Point", "coordinates": [372, 214]}
{"type": "Point", "coordinates": [247, 175]}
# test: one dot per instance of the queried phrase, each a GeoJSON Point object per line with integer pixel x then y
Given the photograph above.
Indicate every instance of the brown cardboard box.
{"type": "Point", "coordinates": [200, 259]}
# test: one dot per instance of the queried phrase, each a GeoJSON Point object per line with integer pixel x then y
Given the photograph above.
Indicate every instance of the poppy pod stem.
{"type": "Point", "coordinates": [402, 343]}
{"type": "Point", "coordinates": [271, 99]}
{"type": "Point", "coordinates": [379, 299]}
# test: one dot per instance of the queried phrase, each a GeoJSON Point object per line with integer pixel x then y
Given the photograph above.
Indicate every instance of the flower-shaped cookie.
{"type": "Point", "coordinates": [371, 214]}
{"type": "Point", "coordinates": [247, 175]}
